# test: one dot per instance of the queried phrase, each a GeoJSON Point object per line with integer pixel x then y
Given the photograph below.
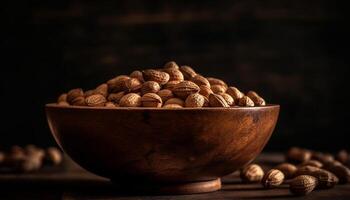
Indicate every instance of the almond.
{"type": "Point", "coordinates": [205, 90]}
{"type": "Point", "coordinates": [171, 65]}
{"type": "Point", "coordinates": [137, 74]}
{"type": "Point", "coordinates": [252, 173]}
{"type": "Point", "coordinates": [171, 84]}
{"type": "Point", "coordinates": [216, 100]}
{"type": "Point", "coordinates": [62, 97]}
{"type": "Point", "coordinates": [95, 100]}
{"type": "Point", "coordinates": [258, 101]}
{"type": "Point", "coordinates": [188, 72]}
{"type": "Point", "coordinates": [133, 85]}
{"type": "Point", "coordinates": [115, 97]}
{"type": "Point", "coordinates": [234, 93]}
{"type": "Point", "coordinates": [150, 87]}
{"type": "Point", "coordinates": [287, 169]}
{"type": "Point", "coordinates": [185, 88]}
{"type": "Point", "coordinates": [216, 81]}
{"type": "Point", "coordinates": [172, 106]}
{"type": "Point", "coordinates": [110, 104]}
{"type": "Point", "coordinates": [155, 75]}
{"type": "Point", "coordinates": [102, 89]}
{"type": "Point", "coordinates": [177, 101]}
{"type": "Point", "coordinates": [117, 84]}
{"type": "Point", "coordinates": [151, 100]}
{"type": "Point", "coordinates": [165, 94]}
{"type": "Point", "coordinates": [200, 80]}
{"type": "Point", "coordinates": [272, 178]}
{"type": "Point", "coordinates": [245, 101]}
{"type": "Point", "coordinates": [73, 94]}
{"type": "Point", "coordinates": [79, 101]}
{"type": "Point", "coordinates": [130, 100]}
{"type": "Point", "coordinates": [298, 155]}
{"type": "Point", "coordinates": [195, 100]}
{"type": "Point", "coordinates": [218, 89]}
{"type": "Point", "coordinates": [230, 101]}
{"type": "Point", "coordinates": [303, 185]}
{"type": "Point", "coordinates": [174, 74]}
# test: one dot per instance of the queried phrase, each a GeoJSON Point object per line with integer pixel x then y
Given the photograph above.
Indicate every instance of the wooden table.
{"type": "Point", "coordinates": [76, 184]}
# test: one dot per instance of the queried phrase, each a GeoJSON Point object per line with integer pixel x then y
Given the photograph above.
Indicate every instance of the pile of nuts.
{"type": "Point", "coordinates": [168, 87]}
{"type": "Point", "coordinates": [29, 158]}
{"type": "Point", "coordinates": [304, 171]}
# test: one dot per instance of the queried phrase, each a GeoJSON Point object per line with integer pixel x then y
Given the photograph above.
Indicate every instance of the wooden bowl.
{"type": "Point", "coordinates": [182, 150]}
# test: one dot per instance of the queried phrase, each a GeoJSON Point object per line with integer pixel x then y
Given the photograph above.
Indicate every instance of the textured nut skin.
{"type": "Point", "coordinates": [171, 84]}
{"type": "Point", "coordinates": [155, 75]}
{"type": "Point", "coordinates": [151, 100]}
{"type": "Point", "coordinates": [324, 158]}
{"type": "Point", "coordinates": [287, 169]}
{"type": "Point", "coordinates": [110, 104]}
{"type": "Point", "coordinates": [342, 172]}
{"type": "Point", "coordinates": [195, 100]}
{"type": "Point", "coordinates": [130, 100]}
{"type": "Point", "coordinates": [150, 87]}
{"type": "Point", "coordinates": [245, 101]}
{"type": "Point", "coordinates": [200, 80]}
{"type": "Point", "coordinates": [133, 85]}
{"type": "Point", "coordinates": [256, 98]}
{"type": "Point", "coordinates": [298, 155]}
{"type": "Point", "coordinates": [216, 81]}
{"type": "Point", "coordinates": [137, 74]}
{"type": "Point", "coordinates": [165, 94]}
{"type": "Point", "coordinates": [188, 72]}
{"type": "Point", "coordinates": [95, 100]}
{"type": "Point", "coordinates": [172, 106]}
{"type": "Point", "coordinates": [73, 94]}
{"type": "Point", "coordinates": [117, 84]}
{"type": "Point", "coordinates": [218, 89]}
{"type": "Point", "coordinates": [171, 65]}
{"type": "Point", "coordinates": [185, 88]}
{"type": "Point", "coordinates": [53, 156]}
{"type": "Point", "coordinates": [115, 97]}
{"type": "Point", "coordinates": [177, 101]}
{"type": "Point", "coordinates": [272, 178]}
{"type": "Point", "coordinates": [230, 101]}
{"type": "Point", "coordinates": [325, 178]}
{"type": "Point", "coordinates": [102, 89]}
{"type": "Point", "coordinates": [252, 173]}
{"type": "Point", "coordinates": [216, 100]}
{"type": "Point", "coordinates": [303, 185]}
{"type": "Point", "coordinates": [62, 98]}
{"type": "Point", "coordinates": [314, 163]}
{"type": "Point", "coordinates": [205, 90]}
{"type": "Point", "coordinates": [174, 74]}
{"type": "Point", "coordinates": [234, 93]}
{"type": "Point", "coordinates": [63, 103]}
{"type": "Point", "coordinates": [79, 101]}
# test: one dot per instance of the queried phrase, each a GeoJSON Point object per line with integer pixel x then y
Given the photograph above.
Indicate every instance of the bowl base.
{"type": "Point", "coordinates": [173, 188]}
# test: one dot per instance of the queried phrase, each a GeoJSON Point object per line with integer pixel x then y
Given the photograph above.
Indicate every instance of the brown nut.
{"type": "Point", "coordinates": [234, 93]}
{"type": "Point", "coordinates": [205, 90]}
{"type": "Point", "coordinates": [252, 173]}
{"type": "Point", "coordinates": [188, 72]}
{"type": "Point", "coordinates": [298, 155]}
{"type": "Point", "coordinates": [172, 106]}
{"type": "Point", "coordinates": [342, 172]}
{"type": "Point", "coordinates": [200, 80]}
{"type": "Point", "coordinates": [272, 178]}
{"type": "Point", "coordinates": [165, 94]}
{"type": "Point", "coordinates": [177, 101]}
{"type": "Point", "coordinates": [303, 185]}
{"type": "Point", "coordinates": [325, 178]}
{"type": "Point", "coordinates": [155, 75]}
{"type": "Point", "coordinates": [287, 169]}
{"type": "Point", "coordinates": [245, 101]}
{"type": "Point", "coordinates": [79, 101]}
{"type": "Point", "coordinates": [62, 98]}
{"type": "Point", "coordinates": [195, 100]}
{"type": "Point", "coordinates": [230, 101]}
{"type": "Point", "coordinates": [130, 100]}
{"type": "Point", "coordinates": [314, 163]}
{"type": "Point", "coordinates": [171, 65]}
{"type": "Point", "coordinates": [174, 74]}
{"type": "Point", "coordinates": [132, 85]}
{"type": "Point", "coordinates": [53, 156]}
{"type": "Point", "coordinates": [343, 156]}
{"type": "Point", "coordinates": [110, 104]}
{"type": "Point", "coordinates": [151, 100]}
{"type": "Point", "coordinates": [117, 84]}
{"type": "Point", "coordinates": [324, 158]}
{"type": "Point", "coordinates": [137, 74]}
{"type": "Point", "coordinates": [171, 84]}
{"type": "Point", "coordinates": [150, 87]}
{"type": "Point", "coordinates": [216, 100]}
{"type": "Point", "coordinates": [96, 100]}
{"type": "Point", "coordinates": [258, 101]}
{"type": "Point", "coordinates": [102, 89]}
{"type": "Point", "coordinates": [185, 88]}
{"type": "Point", "coordinates": [73, 94]}
{"type": "Point", "coordinates": [115, 97]}
{"type": "Point", "coordinates": [218, 89]}
{"type": "Point", "coordinates": [216, 81]}
{"type": "Point", "coordinates": [63, 103]}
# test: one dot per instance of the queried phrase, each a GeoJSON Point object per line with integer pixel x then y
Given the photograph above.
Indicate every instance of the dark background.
{"type": "Point", "coordinates": [294, 53]}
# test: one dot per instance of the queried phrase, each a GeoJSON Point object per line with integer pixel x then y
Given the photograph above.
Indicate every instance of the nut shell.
{"type": "Point", "coordinates": [188, 72]}
{"type": "Point", "coordinates": [303, 185]}
{"type": "Point", "coordinates": [252, 173]}
{"type": "Point", "coordinates": [195, 100]}
{"type": "Point", "coordinates": [96, 100]}
{"type": "Point", "coordinates": [272, 178]}
{"type": "Point", "coordinates": [287, 169]}
{"type": "Point", "coordinates": [185, 88]}
{"type": "Point", "coordinates": [216, 100]}
{"type": "Point", "coordinates": [130, 100]}
{"type": "Point", "coordinates": [155, 75]}
{"type": "Point", "coordinates": [151, 100]}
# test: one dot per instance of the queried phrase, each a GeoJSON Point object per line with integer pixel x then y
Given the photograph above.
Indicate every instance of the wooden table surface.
{"type": "Point", "coordinates": [77, 184]}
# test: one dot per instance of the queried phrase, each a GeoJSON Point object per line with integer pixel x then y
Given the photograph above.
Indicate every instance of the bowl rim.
{"type": "Point", "coordinates": [56, 106]}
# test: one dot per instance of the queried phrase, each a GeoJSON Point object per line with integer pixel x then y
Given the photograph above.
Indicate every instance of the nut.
{"type": "Point", "coordinates": [322, 157]}
{"type": "Point", "coordinates": [79, 101]}
{"type": "Point", "coordinates": [314, 163]}
{"type": "Point", "coordinates": [216, 81]}
{"type": "Point", "coordinates": [174, 74]}
{"type": "Point", "coordinates": [218, 89]}
{"type": "Point", "coordinates": [171, 65]}
{"type": "Point", "coordinates": [256, 98]}
{"type": "Point", "coordinates": [62, 98]}
{"type": "Point", "coordinates": [205, 90]}
{"type": "Point", "coordinates": [287, 169]}
{"type": "Point", "coordinates": [150, 87]}
{"type": "Point", "coordinates": [172, 106]}
{"type": "Point", "coordinates": [245, 101]}
{"type": "Point", "coordinates": [151, 100]}
{"type": "Point", "coordinates": [137, 74]}
{"type": "Point", "coordinates": [177, 101]}
{"type": "Point", "coordinates": [234, 93]}
{"type": "Point", "coordinates": [155, 75]}
{"type": "Point", "coordinates": [165, 94]}
{"type": "Point", "coordinates": [298, 155]}
{"type": "Point", "coordinates": [200, 80]}
{"type": "Point", "coordinates": [272, 178]}
{"type": "Point", "coordinates": [216, 100]}
{"type": "Point", "coordinates": [230, 101]}
{"type": "Point", "coordinates": [342, 172]}
{"type": "Point", "coordinates": [343, 156]}
{"type": "Point", "coordinates": [110, 104]}
{"type": "Point", "coordinates": [188, 72]}
{"type": "Point", "coordinates": [195, 100]}
{"type": "Point", "coordinates": [102, 89]}
{"type": "Point", "coordinates": [133, 85]}
{"type": "Point", "coordinates": [171, 84]}
{"type": "Point", "coordinates": [252, 173]}
{"type": "Point", "coordinates": [303, 185]}
{"type": "Point", "coordinates": [185, 88]}
{"type": "Point", "coordinates": [117, 84]}
{"type": "Point", "coordinates": [73, 94]}
{"type": "Point", "coordinates": [325, 178]}
{"type": "Point", "coordinates": [115, 97]}
{"type": "Point", "coordinates": [96, 100]}
{"type": "Point", "coordinates": [63, 103]}
{"type": "Point", "coordinates": [53, 156]}
{"type": "Point", "coordinates": [130, 100]}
